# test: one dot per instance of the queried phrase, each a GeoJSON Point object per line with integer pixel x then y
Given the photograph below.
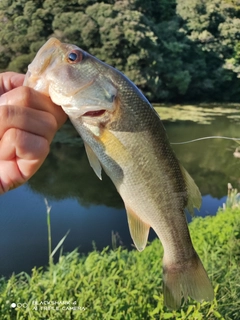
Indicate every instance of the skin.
{"type": "Point", "coordinates": [28, 123]}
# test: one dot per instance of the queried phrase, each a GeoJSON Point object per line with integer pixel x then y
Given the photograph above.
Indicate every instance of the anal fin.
{"type": "Point", "coordinates": [139, 230]}
{"type": "Point", "coordinates": [93, 160]}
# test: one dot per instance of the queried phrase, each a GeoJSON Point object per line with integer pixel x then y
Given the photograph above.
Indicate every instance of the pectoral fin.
{"type": "Point", "coordinates": [93, 160]}
{"type": "Point", "coordinates": [194, 195]}
{"type": "Point", "coordinates": [139, 230]}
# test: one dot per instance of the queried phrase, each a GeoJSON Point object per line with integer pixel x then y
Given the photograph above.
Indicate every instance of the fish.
{"type": "Point", "coordinates": [124, 136]}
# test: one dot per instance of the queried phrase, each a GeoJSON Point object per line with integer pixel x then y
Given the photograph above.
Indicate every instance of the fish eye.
{"type": "Point", "coordinates": [75, 56]}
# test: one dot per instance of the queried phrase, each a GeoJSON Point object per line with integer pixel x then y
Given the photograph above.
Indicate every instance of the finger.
{"type": "Point", "coordinates": [20, 144]}
{"type": "Point", "coordinates": [28, 97]}
{"type": "Point", "coordinates": [21, 155]}
{"type": "Point", "coordinates": [10, 80]}
{"type": "Point", "coordinates": [37, 122]}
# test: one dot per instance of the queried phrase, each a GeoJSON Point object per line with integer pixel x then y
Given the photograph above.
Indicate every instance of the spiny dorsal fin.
{"type": "Point", "coordinates": [194, 195]}
{"type": "Point", "coordinates": [139, 230]}
{"type": "Point", "coordinates": [93, 160]}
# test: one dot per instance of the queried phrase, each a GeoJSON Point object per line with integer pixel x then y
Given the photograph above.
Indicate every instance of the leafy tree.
{"type": "Point", "coordinates": [213, 28]}
{"type": "Point", "coordinates": [114, 31]}
{"type": "Point", "coordinates": [173, 50]}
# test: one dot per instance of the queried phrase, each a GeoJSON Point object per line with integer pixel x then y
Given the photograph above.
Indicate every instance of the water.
{"type": "Point", "coordinates": [92, 209]}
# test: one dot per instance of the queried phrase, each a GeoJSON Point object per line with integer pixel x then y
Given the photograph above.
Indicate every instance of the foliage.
{"type": "Point", "coordinates": [173, 50]}
{"type": "Point", "coordinates": [115, 32]}
{"type": "Point", "coordinates": [213, 28]}
{"type": "Point", "coordinates": [117, 284]}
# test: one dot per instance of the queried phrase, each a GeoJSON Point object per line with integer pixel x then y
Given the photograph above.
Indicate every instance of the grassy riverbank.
{"type": "Point", "coordinates": [117, 284]}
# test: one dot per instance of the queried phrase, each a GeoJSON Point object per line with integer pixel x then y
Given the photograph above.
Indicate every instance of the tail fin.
{"type": "Point", "coordinates": [186, 279]}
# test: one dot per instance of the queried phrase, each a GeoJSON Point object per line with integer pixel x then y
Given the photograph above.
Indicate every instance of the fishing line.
{"type": "Point", "coordinates": [205, 138]}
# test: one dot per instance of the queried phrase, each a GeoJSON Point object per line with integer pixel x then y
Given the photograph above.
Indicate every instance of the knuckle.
{"type": "Point", "coordinates": [51, 125]}
{"type": "Point", "coordinates": [6, 113]}
{"type": "Point", "coordinates": [21, 96]}
{"type": "Point", "coordinates": [7, 74]}
{"type": "Point", "coordinates": [25, 96]}
{"type": "Point", "coordinates": [52, 122]}
{"type": "Point", "coordinates": [45, 147]}
{"type": "Point", "coordinates": [31, 146]}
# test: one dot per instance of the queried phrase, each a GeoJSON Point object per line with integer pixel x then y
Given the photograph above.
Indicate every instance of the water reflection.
{"type": "Point", "coordinates": [67, 173]}
{"type": "Point", "coordinates": [210, 162]}
{"type": "Point", "coordinates": [91, 208]}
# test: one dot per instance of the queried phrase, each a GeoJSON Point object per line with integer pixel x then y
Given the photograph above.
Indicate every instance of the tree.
{"type": "Point", "coordinates": [213, 28]}
{"type": "Point", "coordinates": [112, 30]}
{"type": "Point", "coordinates": [172, 50]}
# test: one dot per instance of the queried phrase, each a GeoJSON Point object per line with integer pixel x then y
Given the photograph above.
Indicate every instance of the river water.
{"type": "Point", "coordinates": [92, 209]}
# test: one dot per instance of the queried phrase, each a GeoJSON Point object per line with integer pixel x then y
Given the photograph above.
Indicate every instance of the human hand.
{"type": "Point", "coordinates": [28, 123]}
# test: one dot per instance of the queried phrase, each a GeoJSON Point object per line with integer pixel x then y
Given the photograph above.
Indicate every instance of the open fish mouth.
{"type": "Point", "coordinates": [96, 113]}
{"type": "Point", "coordinates": [89, 109]}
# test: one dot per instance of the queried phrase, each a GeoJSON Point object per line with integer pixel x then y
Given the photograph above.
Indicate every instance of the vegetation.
{"type": "Point", "coordinates": [118, 284]}
{"type": "Point", "coordinates": [174, 50]}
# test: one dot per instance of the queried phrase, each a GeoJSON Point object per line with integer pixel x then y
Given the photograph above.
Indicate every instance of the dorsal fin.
{"type": "Point", "coordinates": [194, 195]}
{"type": "Point", "coordinates": [139, 230]}
{"type": "Point", "coordinates": [93, 160]}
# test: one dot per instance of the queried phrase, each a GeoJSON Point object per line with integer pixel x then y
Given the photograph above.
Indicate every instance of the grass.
{"type": "Point", "coordinates": [233, 198]}
{"type": "Point", "coordinates": [118, 284]}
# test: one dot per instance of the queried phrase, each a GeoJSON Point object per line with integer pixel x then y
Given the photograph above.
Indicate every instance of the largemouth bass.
{"type": "Point", "coordinates": [124, 135]}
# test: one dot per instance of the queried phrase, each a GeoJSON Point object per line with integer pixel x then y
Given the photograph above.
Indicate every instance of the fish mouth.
{"type": "Point", "coordinates": [85, 111]}
{"type": "Point", "coordinates": [94, 114]}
